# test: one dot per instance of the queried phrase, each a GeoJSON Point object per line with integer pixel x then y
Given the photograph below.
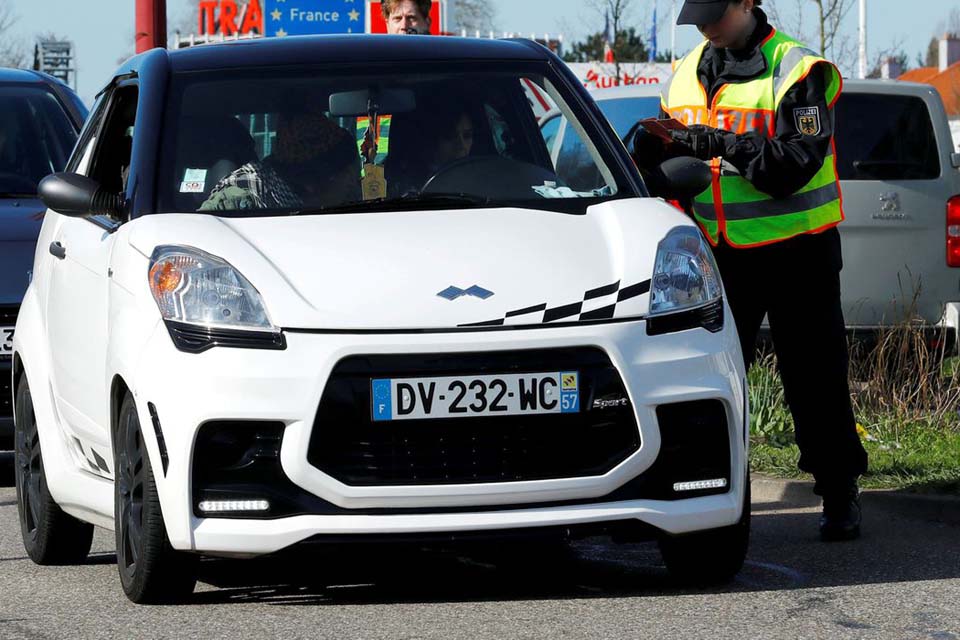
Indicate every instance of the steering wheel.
{"type": "Point", "coordinates": [16, 183]}
{"type": "Point", "coordinates": [513, 179]}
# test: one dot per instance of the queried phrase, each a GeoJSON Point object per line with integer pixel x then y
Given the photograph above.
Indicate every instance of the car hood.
{"type": "Point", "coordinates": [20, 221]}
{"type": "Point", "coordinates": [435, 269]}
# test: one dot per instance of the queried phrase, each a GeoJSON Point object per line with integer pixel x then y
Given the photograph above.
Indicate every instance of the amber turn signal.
{"type": "Point", "coordinates": [165, 277]}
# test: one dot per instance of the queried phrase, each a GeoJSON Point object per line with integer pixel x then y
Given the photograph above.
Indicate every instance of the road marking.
{"type": "Point", "coordinates": [793, 574]}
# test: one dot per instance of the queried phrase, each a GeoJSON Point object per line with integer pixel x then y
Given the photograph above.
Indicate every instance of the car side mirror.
{"type": "Point", "coordinates": [71, 194]}
{"type": "Point", "coordinates": [683, 178]}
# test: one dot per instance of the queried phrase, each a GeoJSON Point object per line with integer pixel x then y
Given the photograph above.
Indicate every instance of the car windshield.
{"type": "Point", "coordinates": [36, 138]}
{"type": "Point", "coordinates": [314, 141]}
{"type": "Point", "coordinates": [623, 113]}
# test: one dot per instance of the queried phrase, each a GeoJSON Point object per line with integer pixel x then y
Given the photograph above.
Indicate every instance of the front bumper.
{"type": "Point", "coordinates": [188, 390]}
{"type": "Point", "coordinates": [255, 537]}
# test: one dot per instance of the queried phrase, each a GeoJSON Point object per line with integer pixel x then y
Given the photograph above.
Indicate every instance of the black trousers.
{"type": "Point", "coordinates": [796, 284]}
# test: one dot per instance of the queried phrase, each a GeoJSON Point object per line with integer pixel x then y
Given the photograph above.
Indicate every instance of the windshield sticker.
{"type": "Point", "coordinates": [194, 181]}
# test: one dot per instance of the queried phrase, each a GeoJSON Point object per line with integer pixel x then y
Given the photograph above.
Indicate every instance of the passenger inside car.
{"type": "Point", "coordinates": [314, 163]}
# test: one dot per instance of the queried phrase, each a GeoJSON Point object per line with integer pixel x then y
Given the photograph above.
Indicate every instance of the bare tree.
{"type": "Point", "coordinates": [475, 15]}
{"type": "Point", "coordinates": [895, 52]}
{"type": "Point", "coordinates": [618, 12]}
{"type": "Point", "coordinates": [13, 51]}
{"type": "Point", "coordinates": [950, 25]}
{"type": "Point", "coordinates": [819, 22]}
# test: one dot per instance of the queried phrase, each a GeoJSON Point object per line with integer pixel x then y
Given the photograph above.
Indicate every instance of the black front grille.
{"type": "Point", "coordinates": [350, 447]}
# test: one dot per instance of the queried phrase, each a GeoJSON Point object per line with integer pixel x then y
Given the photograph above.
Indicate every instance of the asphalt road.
{"type": "Point", "coordinates": [902, 580]}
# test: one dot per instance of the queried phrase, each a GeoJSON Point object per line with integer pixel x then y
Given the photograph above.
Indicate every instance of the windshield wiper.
{"type": "Point", "coordinates": [407, 201]}
{"type": "Point", "coordinates": [9, 195]}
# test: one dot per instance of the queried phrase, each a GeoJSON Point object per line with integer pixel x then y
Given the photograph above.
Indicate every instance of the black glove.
{"type": "Point", "coordinates": [647, 150]}
{"type": "Point", "coordinates": [703, 143]}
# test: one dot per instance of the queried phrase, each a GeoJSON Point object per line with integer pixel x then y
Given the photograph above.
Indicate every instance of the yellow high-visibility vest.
{"type": "Point", "coordinates": [733, 207]}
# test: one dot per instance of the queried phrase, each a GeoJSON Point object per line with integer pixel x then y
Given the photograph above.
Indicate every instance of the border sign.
{"type": "Point", "coordinates": [311, 17]}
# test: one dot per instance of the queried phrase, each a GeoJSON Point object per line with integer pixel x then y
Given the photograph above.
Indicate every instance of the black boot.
{"type": "Point", "coordinates": [841, 513]}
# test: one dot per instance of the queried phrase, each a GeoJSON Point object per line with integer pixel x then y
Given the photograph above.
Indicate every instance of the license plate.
{"type": "Point", "coordinates": [475, 396]}
{"type": "Point", "coordinates": [6, 341]}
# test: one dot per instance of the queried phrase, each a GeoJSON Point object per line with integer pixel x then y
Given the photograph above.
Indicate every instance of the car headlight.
{"type": "Point", "coordinates": [685, 284]}
{"type": "Point", "coordinates": [206, 302]}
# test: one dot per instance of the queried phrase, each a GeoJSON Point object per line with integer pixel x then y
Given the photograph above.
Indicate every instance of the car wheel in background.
{"type": "Point", "coordinates": [50, 536]}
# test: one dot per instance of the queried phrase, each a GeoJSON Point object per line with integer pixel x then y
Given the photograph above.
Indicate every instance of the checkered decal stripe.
{"type": "Point", "coordinates": [93, 459]}
{"type": "Point", "coordinates": [582, 311]}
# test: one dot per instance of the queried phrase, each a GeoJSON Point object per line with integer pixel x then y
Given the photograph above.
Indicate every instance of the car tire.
{"type": "Point", "coordinates": [151, 571]}
{"type": "Point", "coordinates": [50, 535]}
{"type": "Point", "coordinates": [712, 557]}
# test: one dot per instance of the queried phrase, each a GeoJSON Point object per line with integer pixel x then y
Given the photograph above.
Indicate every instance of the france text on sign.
{"type": "Point", "coordinates": [305, 17]}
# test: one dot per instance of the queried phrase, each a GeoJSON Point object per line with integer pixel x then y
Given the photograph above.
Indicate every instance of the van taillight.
{"type": "Point", "coordinates": [953, 232]}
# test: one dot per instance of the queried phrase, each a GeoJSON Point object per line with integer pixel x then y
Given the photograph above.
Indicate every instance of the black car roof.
{"type": "Point", "coordinates": [26, 76]}
{"type": "Point", "coordinates": [294, 50]}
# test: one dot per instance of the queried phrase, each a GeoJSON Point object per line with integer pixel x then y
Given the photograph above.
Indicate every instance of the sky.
{"type": "Point", "coordinates": [102, 30]}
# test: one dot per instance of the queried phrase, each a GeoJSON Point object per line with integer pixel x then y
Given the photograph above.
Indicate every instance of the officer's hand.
{"type": "Point", "coordinates": [703, 143]}
{"type": "Point", "coordinates": [647, 150]}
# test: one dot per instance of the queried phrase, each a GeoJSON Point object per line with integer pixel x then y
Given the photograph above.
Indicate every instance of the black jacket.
{"type": "Point", "coordinates": [781, 165]}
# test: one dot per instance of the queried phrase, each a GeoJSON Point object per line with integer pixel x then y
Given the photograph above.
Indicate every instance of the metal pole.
{"type": "Point", "coordinates": [863, 39]}
{"type": "Point", "coordinates": [151, 24]}
{"type": "Point", "coordinates": [673, 32]}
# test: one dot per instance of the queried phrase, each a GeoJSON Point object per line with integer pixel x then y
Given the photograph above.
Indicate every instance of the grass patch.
{"type": "Point", "coordinates": [906, 397]}
{"type": "Point", "coordinates": [915, 457]}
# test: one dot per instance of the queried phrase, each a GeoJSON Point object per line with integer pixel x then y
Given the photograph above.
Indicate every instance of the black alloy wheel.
{"type": "Point", "coordinates": [129, 489]}
{"type": "Point", "coordinates": [151, 571]}
{"type": "Point", "coordinates": [50, 535]}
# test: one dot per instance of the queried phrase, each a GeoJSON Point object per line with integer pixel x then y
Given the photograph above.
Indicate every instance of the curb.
{"type": "Point", "coordinates": [799, 493]}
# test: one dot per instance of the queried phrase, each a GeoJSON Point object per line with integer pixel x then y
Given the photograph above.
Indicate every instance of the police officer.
{"type": "Point", "coordinates": [759, 108]}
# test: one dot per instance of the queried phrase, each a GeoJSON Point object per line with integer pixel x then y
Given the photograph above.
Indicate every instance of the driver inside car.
{"type": "Point", "coordinates": [315, 164]}
{"type": "Point", "coordinates": [422, 144]}
{"type": "Point", "coordinates": [454, 137]}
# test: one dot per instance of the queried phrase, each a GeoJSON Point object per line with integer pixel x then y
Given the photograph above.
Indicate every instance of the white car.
{"type": "Point", "coordinates": [241, 335]}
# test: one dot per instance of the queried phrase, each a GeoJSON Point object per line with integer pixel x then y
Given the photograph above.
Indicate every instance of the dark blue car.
{"type": "Point", "coordinates": [40, 118]}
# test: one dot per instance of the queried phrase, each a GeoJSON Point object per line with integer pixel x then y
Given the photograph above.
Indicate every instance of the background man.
{"type": "Point", "coordinates": [409, 17]}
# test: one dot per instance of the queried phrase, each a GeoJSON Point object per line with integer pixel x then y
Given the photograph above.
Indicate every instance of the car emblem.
{"type": "Point", "coordinates": [452, 293]}
{"type": "Point", "coordinates": [890, 201]}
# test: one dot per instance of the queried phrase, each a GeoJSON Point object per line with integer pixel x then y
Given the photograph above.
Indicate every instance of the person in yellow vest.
{"type": "Point", "coordinates": [759, 108]}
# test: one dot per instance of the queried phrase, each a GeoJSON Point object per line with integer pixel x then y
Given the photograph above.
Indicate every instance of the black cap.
{"type": "Point", "coordinates": [701, 12]}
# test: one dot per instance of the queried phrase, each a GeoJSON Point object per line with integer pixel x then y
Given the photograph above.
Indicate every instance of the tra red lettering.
{"type": "Point", "coordinates": [253, 20]}
{"type": "Point", "coordinates": [206, 13]}
{"type": "Point", "coordinates": [228, 15]}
